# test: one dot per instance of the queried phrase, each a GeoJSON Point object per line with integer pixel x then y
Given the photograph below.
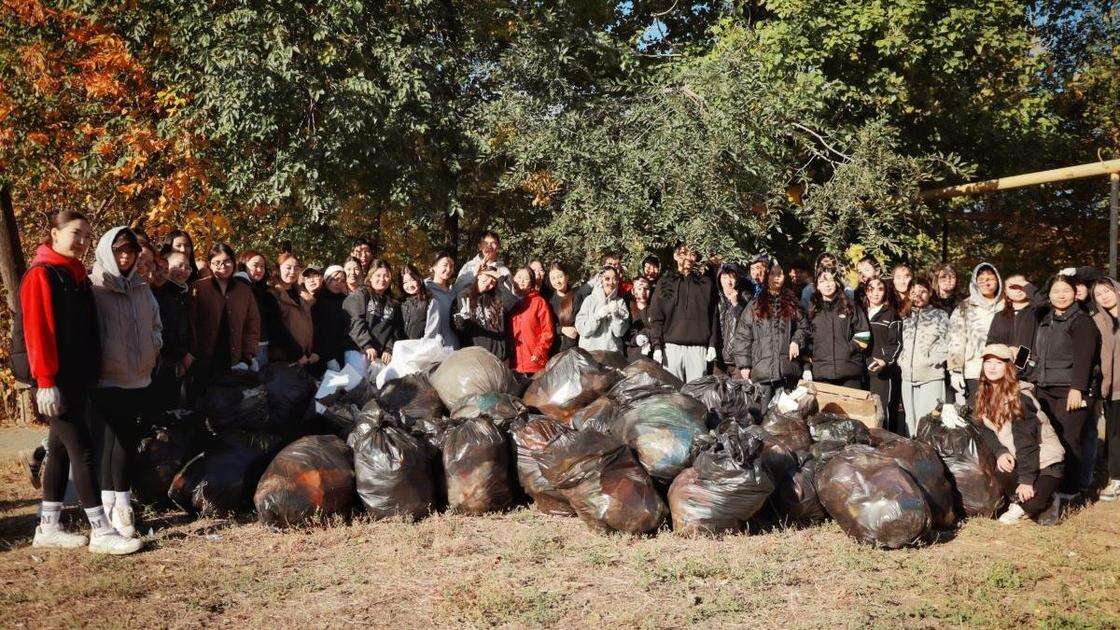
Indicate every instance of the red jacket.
{"type": "Point", "coordinates": [532, 331]}
{"type": "Point", "coordinates": [38, 313]}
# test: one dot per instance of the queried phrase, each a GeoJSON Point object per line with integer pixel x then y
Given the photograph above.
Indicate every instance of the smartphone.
{"type": "Point", "coordinates": [1022, 357]}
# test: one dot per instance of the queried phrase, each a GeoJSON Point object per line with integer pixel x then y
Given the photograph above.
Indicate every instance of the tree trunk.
{"type": "Point", "coordinates": [12, 267]}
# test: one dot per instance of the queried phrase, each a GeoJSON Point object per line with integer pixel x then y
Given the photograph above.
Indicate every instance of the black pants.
{"type": "Point", "coordinates": [1112, 437]}
{"type": "Point", "coordinates": [1068, 425]}
{"type": "Point", "coordinates": [1044, 487]}
{"type": "Point", "coordinates": [887, 384]}
{"type": "Point", "coordinates": [117, 416]}
{"type": "Point", "coordinates": [69, 443]}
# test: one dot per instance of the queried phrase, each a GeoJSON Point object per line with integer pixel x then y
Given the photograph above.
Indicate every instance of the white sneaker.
{"type": "Point", "coordinates": [122, 520]}
{"type": "Point", "coordinates": [1013, 515]}
{"type": "Point", "coordinates": [57, 538]}
{"type": "Point", "coordinates": [1111, 492]}
{"type": "Point", "coordinates": [113, 544]}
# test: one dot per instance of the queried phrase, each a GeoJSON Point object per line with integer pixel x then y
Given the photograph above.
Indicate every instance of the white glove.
{"type": "Point", "coordinates": [240, 366]}
{"type": "Point", "coordinates": [956, 379]}
{"type": "Point", "coordinates": [604, 311]}
{"type": "Point", "coordinates": [641, 340]}
{"type": "Point", "coordinates": [1068, 271]}
{"type": "Point", "coordinates": [658, 356]}
{"type": "Point", "coordinates": [255, 365]}
{"type": "Point", "coordinates": [621, 309]}
{"type": "Point", "coordinates": [710, 355]}
{"type": "Point", "coordinates": [950, 418]}
{"type": "Point", "coordinates": [49, 402]}
{"type": "Point", "coordinates": [807, 375]}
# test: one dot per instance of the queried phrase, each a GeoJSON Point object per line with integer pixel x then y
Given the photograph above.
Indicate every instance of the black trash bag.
{"type": "Point", "coordinates": [830, 427]}
{"type": "Point", "coordinates": [821, 452]}
{"type": "Point", "coordinates": [977, 484]}
{"type": "Point", "coordinates": [394, 471]}
{"type": "Point", "coordinates": [664, 431]}
{"type": "Point", "coordinates": [654, 370]}
{"type": "Point", "coordinates": [777, 455]}
{"type": "Point", "coordinates": [634, 388]}
{"type": "Point", "coordinates": [237, 399]}
{"type": "Point", "coordinates": [611, 359]}
{"type": "Point", "coordinates": [873, 499]}
{"type": "Point", "coordinates": [793, 431]}
{"type": "Point", "coordinates": [727, 397]}
{"type": "Point", "coordinates": [469, 371]}
{"type": "Point", "coordinates": [794, 500]}
{"type": "Point", "coordinates": [476, 463]}
{"type": "Point", "coordinates": [311, 480]}
{"type": "Point", "coordinates": [412, 397]}
{"type": "Point", "coordinates": [570, 381]}
{"type": "Point", "coordinates": [343, 409]}
{"type": "Point", "coordinates": [221, 480]}
{"type": "Point", "coordinates": [599, 416]}
{"type": "Point", "coordinates": [726, 485]}
{"type": "Point", "coordinates": [921, 461]}
{"type": "Point", "coordinates": [532, 439]}
{"type": "Point", "coordinates": [503, 409]}
{"type": "Point", "coordinates": [603, 482]}
{"type": "Point", "coordinates": [174, 438]}
{"type": "Point", "coordinates": [807, 407]}
{"type": "Point", "coordinates": [291, 394]}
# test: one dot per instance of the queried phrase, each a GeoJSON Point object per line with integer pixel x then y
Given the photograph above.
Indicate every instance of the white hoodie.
{"type": "Point", "coordinates": [599, 332]}
{"type": "Point", "coordinates": [969, 325]}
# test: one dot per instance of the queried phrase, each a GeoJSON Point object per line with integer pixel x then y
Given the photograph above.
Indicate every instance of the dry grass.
{"type": "Point", "coordinates": [523, 568]}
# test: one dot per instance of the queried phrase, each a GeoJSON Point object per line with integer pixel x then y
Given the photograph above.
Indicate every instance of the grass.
{"type": "Point", "coordinates": [526, 569]}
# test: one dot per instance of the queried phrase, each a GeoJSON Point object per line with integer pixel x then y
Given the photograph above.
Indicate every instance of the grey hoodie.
{"type": "Point", "coordinates": [603, 333]}
{"type": "Point", "coordinates": [439, 314]}
{"type": "Point", "coordinates": [969, 325]}
{"type": "Point", "coordinates": [128, 320]}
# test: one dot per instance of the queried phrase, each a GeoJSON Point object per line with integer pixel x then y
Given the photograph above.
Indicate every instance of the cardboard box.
{"type": "Point", "coordinates": [856, 403]}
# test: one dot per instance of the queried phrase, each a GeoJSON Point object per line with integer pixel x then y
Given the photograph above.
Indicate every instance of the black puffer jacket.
{"type": "Point", "coordinates": [414, 313]}
{"type": "Point", "coordinates": [1068, 347]}
{"type": "Point", "coordinates": [728, 319]}
{"type": "Point", "coordinates": [374, 322]}
{"type": "Point", "coordinates": [683, 311]}
{"type": "Point", "coordinates": [835, 353]}
{"type": "Point", "coordinates": [762, 338]}
{"type": "Point", "coordinates": [174, 313]}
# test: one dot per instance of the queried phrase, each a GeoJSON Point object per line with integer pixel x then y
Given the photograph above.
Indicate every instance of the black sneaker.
{"type": "Point", "coordinates": [1052, 514]}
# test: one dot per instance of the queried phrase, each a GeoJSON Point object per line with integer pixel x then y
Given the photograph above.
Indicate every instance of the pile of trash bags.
{"type": "Point", "coordinates": [623, 446]}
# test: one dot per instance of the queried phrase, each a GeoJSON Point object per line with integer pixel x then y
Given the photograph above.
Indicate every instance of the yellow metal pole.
{"type": "Point", "coordinates": [1081, 171]}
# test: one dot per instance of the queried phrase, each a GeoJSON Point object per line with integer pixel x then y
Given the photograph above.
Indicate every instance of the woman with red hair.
{"type": "Point", "coordinates": [1012, 424]}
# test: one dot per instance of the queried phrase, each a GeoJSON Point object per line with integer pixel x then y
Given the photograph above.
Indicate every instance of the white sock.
{"type": "Point", "coordinates": [108, 498]}
{"type": "Point", "coordinates": [124, 499]}
{"type": "Point", "coordinates": [50, 519]}
{"type": "Point", "coordinates": [98, 522]}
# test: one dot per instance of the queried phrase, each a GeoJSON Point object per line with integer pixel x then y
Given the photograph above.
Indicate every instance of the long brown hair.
{"type": "Point", "coordinates": [998, 401]}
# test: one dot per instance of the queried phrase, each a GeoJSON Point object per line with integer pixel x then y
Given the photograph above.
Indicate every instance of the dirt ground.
{"type": "Point", "coordinates": [526, 569]}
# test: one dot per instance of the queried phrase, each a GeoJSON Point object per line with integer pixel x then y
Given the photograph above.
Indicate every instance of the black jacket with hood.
{"type": "Point", "coordinates": [835, 353]}
{"type": "Point", "coordinates": [763, 335]}
{"type": "Point", "coordinates": [684, 311]}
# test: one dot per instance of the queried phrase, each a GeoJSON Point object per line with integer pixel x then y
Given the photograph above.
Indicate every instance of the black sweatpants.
{"type": "Point", "coordinates": [1112, 437]}
{"type": "Point", "coordinates": [117, 414]}
{"type": "Point", "coordinates": [1068, 425]}
{"type": "Point", "coordinates": [69, 443]}
{"type": "Point", "coordinates": [886, 383]}
{"type": "Point", "coordinates": [1044, 487]}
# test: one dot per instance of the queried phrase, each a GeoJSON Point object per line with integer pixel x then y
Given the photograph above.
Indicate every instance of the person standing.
{"type": "Point", "coordinates": [901, 277]}
{"type": "Point", "coordinates": [131, 336]}
{"type": "Point", "coordinates": [1106, 294]}
{"type": "Point", "coordinates": [482, 308]}
{"type": "Point", "coordinates": [354, 271]}
{"type": "Point", "coordinates": [415, 303]}
{"type": "Point", "coordinates": [731, 304]}
{"type": "Point", "coordinates": [603, 316]}
{"type": "Point", "coordinates": [1012, 425]}
{"type": "Point", "coordinates": [253, 267]}
{"type": "Point", "coordinates": [1016, 323]}
{"type": "Point", "coordinates": [226, 325]}
{"type": "Point", "coordinates": [1067, 343]}
{"type": "Point", "coordinates": [489, 257]}
{"type": "Point", "coordinates": [56, 346]}
{"type": "Point", "coordinates": [825, 261]}
{"type": "Point", "coordinates": [173, 296]}
{"type": "Point", "coordinates": [363, 253]}
{"type": "Point", "coordinates": [683, 319]}
{"type": "Point", "coordinates": [180, 241]}
{"type": "Point", "coordinates": [944, 279]}
{"type": "Point", "coordinates": [310, 279]}
{"type": "Point", "coordinates": [443, 299]}
{"type": "Point", "coordinates": [330, 323]}
{"type": "Point", "coordinates": [969, 326]}
{"type": "Point", "coordinates": [839, 334]}
{"type": "Point", "coordinates": [530, 326]}
{"type": "Point", "coordinates": [884, 378]}
{"type": "Point", "coordinates": [375, 318]}
{"type": "Point", "coordinates": [637, 336]}
{"type": "Point", "coordinates": [565, 303]}
{"type": "Point", "coordinates": [295, 344]}
{"type": "Point", "coordinates": [769, 338]}
{"type": "Point", "coordinates": [925, 347]}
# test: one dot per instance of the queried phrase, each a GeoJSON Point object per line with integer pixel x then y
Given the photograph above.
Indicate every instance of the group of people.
{"type": "Point", "coordinates": [149, 328]}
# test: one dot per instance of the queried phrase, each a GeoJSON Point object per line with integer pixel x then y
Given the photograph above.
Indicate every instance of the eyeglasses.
{"type": "Point", "coordinates": [221, 263]}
